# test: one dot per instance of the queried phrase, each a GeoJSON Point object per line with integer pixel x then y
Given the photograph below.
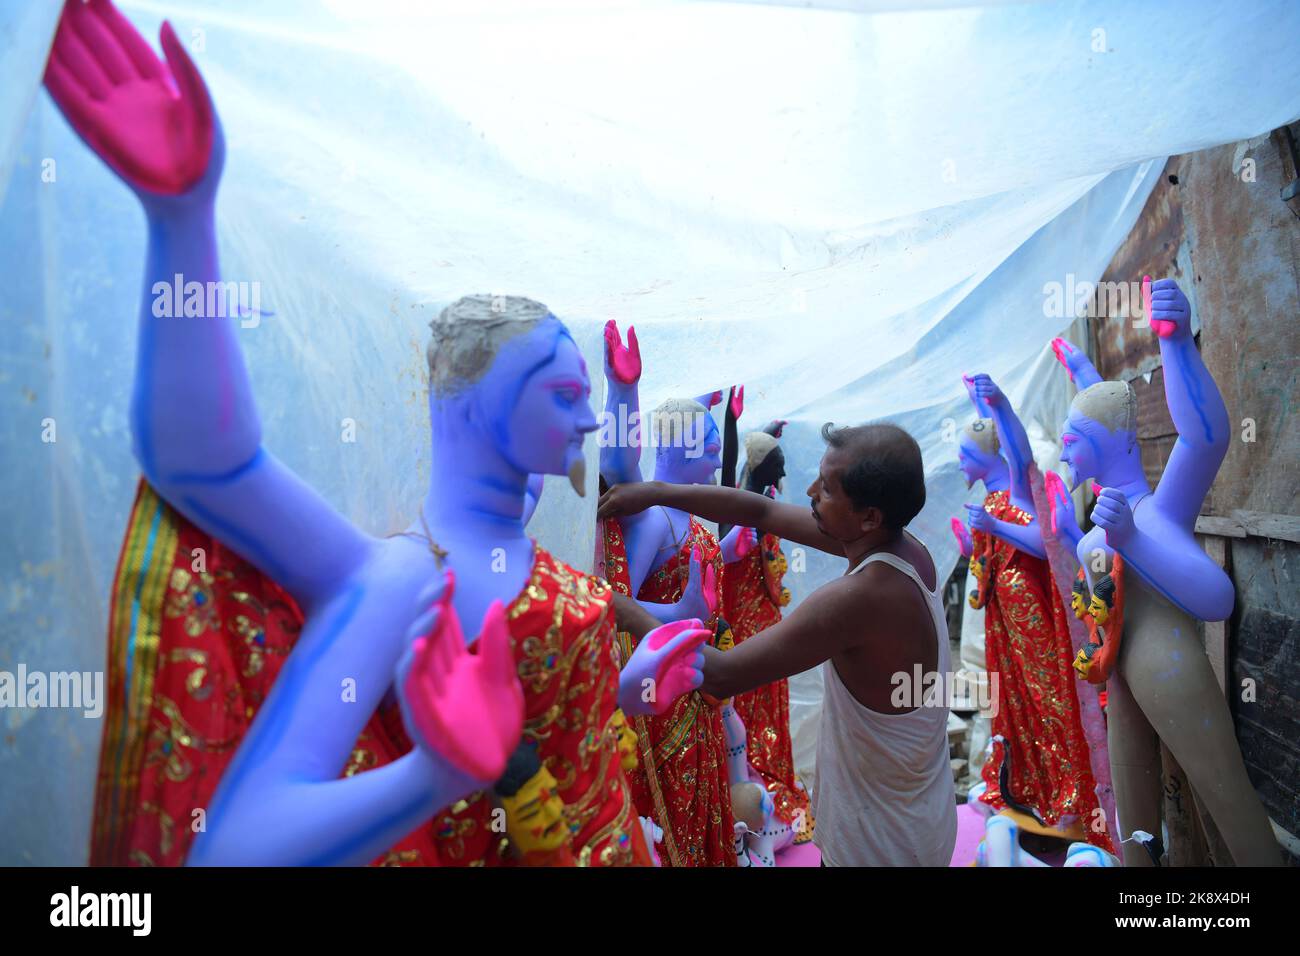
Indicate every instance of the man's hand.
{"type": "Point", "coordinates": [1112, 512]}
{"type": "Point", "coordinates": [153, 125]}
{"type": "Point", "coordinates": [466, 708]}
{"type": "Point", "coordinates": [622, 364]}
{"type": "Point", "coordinates": [1167, 308]}
{"type": "Point", "coordinates": [667, 663]}
{"type": "Point", "coordinates": [629, 499]}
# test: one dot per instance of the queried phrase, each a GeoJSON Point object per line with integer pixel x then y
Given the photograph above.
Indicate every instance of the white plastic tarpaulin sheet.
{"type": "Point", "coordinates": [841, 205]}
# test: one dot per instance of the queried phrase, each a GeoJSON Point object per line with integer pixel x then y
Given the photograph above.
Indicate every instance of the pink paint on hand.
{"type": "Point", "coordinates": [449, 688]}
{"type": "Point", "coordinates": [1061, 349]}
{"type": "Point", "coordinates": [1056, 495]}
{"type": "Point", "coordinates": [153, 125]}
{"type": "Point", "coordinates": [737, 401]}
{"type": "Point", "coordinates": [746, 541]}
{"type": "Point", "coordinates": [624, 363]}
{"type": "Point", "coordinates": [709, 580]}
{"type": "Point", "coordinates": [1162, 327]}
{"type": "Point", "coordinates": [964, 544]}
{"type": "Point", "coordinates": [677, 671]}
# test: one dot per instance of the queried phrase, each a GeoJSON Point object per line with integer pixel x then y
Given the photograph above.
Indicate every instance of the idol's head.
{"type": "Point", "coordinates": [688, 448]}
{"type": "Point", "coordinates": [505, 368]}
{"type": "Point", "coordinates": [978, 451]}
{"type": "Point", "coordinates": [1100, 429]}
{"type": "Point", "coordinates": [870, 479]}
{"type": "Point", "coordinates": [764, 463]}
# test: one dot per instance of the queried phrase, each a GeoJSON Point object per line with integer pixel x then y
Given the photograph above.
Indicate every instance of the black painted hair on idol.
{"type": "Point", "coordinates": [522, 766]}
{"type": "Point", "coordinates": [886, 473]}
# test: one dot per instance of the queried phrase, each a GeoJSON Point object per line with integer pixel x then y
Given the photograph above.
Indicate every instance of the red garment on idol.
{"type": "Point", "coordinates": [193, 654]}
{"type": "Point", "coordinates": [1027, 646]}
{"type": "Point", "coordinates": [681, 780]}
{"type": "Point", "coordinates": [752, 598]}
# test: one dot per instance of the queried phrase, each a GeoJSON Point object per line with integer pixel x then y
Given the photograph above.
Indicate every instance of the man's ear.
{"type": "Point", "coordinates": [872, 518]}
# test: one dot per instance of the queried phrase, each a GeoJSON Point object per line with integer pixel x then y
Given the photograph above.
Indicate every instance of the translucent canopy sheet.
{"type": "Point", "coordinates": [842, 206]}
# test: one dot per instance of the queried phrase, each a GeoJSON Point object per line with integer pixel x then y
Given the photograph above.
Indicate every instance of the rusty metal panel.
{"type": "Point", "coordinates": [1151, 248]}
{"type": "Point", "coordinates": [1246, 251]}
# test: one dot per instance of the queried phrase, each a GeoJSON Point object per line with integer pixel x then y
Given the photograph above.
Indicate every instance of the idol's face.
{"type": "Point", "coordinates": [538, 814]}
{"type": "Point", "coordinates": [1079, 450]}
{"type": "Point", "coordinates": [1098, 609]}
{"type": "Point", "coordinates": [696, 453]}
{"type": "Point", "coordinates": [1077, 605]}
{"type": "Point", "coordinates": [974, 463]}
{"type": "Point", "coordinates": [552, 413]}
{"type": "Point", "coordinates": [769, 473]}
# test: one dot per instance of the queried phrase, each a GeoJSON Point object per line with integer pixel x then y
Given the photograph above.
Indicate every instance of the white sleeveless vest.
{"type": "Point", "coordinates": [884, 794]}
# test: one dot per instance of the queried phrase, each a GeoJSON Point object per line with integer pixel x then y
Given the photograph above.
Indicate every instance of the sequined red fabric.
{"type": "Point", "coordinates": [751, 602]}
{"type": "Point", "coordinates": [681, 781]}
{"type": "Point", "coordinates": [193, 654]}
{"type": "Point", "coordinates": [1027, 645]}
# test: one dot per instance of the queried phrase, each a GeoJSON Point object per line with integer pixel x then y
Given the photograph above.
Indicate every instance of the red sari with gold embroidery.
{"type": "Point", "coordinates": [1027, 645]}
{"type": "Point", "coordinates": [193, 654]}
{"type": "Point", "coordinates": [681, 780]}
{"type": "Point", "coordinates": [752, 598]}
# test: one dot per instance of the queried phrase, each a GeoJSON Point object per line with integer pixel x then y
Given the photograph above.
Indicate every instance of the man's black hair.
{"type": "Point", "coordinates": [886, 471]}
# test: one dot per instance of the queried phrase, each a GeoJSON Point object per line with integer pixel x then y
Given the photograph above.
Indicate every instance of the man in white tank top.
{"type": "Point", "coordinates": [884, 794]}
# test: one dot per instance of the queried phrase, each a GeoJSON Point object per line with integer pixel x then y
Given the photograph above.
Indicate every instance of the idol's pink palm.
{"type": "Point", "coordinates": [623, 363]}
{"type": "Point", "coordinates": [746, 542]}
{"type": "Point", "coordinates": [153, 124]}
{"type": "Point", "coordinates": [964, 543]}
{"type": "Point", "coordinates": [679, 662]}
{"type": "Point", "coordinates": [466, 704]}
{"type": "Point", "coordinates": [737, 401]}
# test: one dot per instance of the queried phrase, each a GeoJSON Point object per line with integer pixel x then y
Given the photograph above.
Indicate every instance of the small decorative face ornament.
{"type": "Point", "coordinates": [1103, 600]}
{"type": "Point", "coordinates": [535, 815]}
{"type": "Point", "coordinates": [627, 741]}
{"type": "Point", "coordinates": [1079, 600]}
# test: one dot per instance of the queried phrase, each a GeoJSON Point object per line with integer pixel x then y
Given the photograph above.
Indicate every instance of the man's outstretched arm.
{"type": "Point", "coordinates": [829, 620]}
{"type": "Point", "coordinates": [723, 505]}
{"type": "Point", "coordinates": [826, 622]}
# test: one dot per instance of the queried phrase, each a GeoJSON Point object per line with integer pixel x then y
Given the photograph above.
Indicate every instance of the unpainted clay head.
{"type": "Point", "coordinates": [978, 451]}
{"type": "Point", "coordinates": [764, 463]}
{"type": "Point", "coordinates": [688, 449]}
{"type": "Point", "coordinates": [1100, 429]}
{"type": "Point", "coordinates": [505, 369]}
